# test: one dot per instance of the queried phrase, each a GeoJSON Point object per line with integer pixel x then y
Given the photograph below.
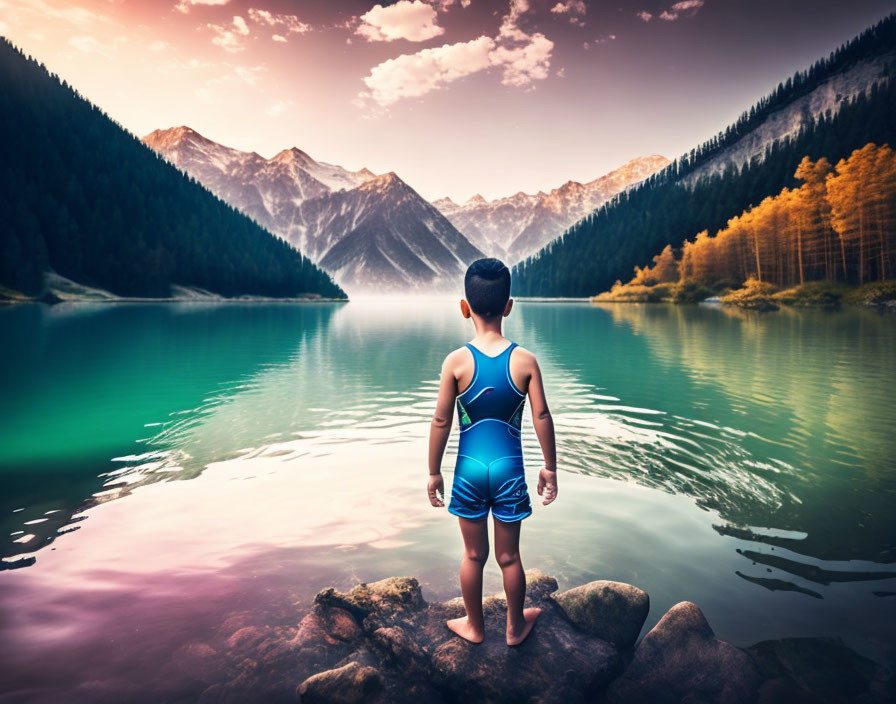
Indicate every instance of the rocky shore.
{"type": "Point", "coordinates": [382, 643]}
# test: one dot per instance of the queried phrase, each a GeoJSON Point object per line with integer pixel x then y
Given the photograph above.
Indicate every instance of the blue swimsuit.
{"type": "Point", "coordinates": [489, 470]}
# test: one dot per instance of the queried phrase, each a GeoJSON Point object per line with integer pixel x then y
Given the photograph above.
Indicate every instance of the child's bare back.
{"type": "Point", "coordinates": [489, 380]}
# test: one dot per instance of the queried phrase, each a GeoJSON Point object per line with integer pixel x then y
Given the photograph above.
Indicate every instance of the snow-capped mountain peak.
{"type": "Point", "coordinates": [516, 226]}
{"type": "Point", "coordinates": [372, 232]}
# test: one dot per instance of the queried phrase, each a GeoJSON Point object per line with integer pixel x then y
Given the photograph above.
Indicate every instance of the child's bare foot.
{"type": "Point", "coordinates": [515, 637]}
{"type": "Point", "coordinates": [462, 627]}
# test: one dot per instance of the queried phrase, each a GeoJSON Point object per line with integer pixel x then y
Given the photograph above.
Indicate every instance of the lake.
{"type": "Point", "coordinates": [168, 465]}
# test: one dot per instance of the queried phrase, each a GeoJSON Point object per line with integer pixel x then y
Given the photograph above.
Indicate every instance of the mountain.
{"type": "Point", "coordinates": [836, 106]}
{"type": "Point", "coordinates": [393, 239]}
{"type": "Point", "coordinates": [374, 233]}
{"type": "Point", "coordinates": [83, 199]}
{"type": "Point", "coordinates": [514, 227]}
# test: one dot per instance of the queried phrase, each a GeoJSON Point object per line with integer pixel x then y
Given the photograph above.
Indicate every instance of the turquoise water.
{"type": "Point", "coordinates": [201, 459]}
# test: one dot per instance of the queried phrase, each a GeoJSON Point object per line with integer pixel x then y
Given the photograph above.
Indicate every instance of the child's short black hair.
{"type": "Point", "coordinates": [487, 287]}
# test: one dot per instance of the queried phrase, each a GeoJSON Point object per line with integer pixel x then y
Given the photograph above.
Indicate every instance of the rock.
{"type": "Point", "coordinates": [349, 684]}
{"type": "Point", "coordinates": [245, 638]}
{"type": "Point", "coordinates": [556, 663]}
{"type": "Point", "coordinates": [394, 646]}
{"type": "Point", "coordinates": [681, 660]}
{"type": "Point", "coordinates": [338, 623]}
{"type": "Point", "coordinates": [234, 622]}
{"type": "Point", "coordinates": [612, 611]}
{"type": "Point", "coordinates": [386, 595]}
{"type": "Point", "coordinates": [198, 660]}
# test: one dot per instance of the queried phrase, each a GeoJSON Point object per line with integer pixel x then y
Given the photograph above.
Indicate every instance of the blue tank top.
{"type": "Point", "coordinates": [490, 410]}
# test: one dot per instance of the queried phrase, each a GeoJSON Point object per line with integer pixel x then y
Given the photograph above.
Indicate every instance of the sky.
{"type": "Point", "coordinates": [458, 97]}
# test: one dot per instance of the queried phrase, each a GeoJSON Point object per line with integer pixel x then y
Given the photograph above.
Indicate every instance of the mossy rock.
{"type": "Point", "coordinates": [613, 611]}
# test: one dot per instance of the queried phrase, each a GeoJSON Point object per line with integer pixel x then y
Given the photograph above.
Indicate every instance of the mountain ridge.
{"type": "Point", "coordinates": [316, 206]}
{"type": "Point", "coordinates": [514, 226]}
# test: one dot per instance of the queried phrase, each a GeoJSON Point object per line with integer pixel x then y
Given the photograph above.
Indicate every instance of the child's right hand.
{"type": "Point", "coordinates": [547, 485]}
{"type": "Point", "coordinates": [436, 490]}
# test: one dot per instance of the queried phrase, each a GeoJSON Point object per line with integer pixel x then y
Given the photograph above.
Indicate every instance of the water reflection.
{"type": "Point", "coordinates": [88, 385]}
{"type": "Point", "coordinates": [813, 390]}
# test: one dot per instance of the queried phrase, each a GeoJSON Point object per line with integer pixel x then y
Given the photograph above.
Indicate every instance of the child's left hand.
{"type": "Point", "coordinates": [436, 490]}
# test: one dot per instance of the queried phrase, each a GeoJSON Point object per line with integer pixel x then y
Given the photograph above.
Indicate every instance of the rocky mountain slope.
{"type": "Point", "coordinates": [373, 233]}
{"type": "Point", "coordinates": [785, 122]}
{"type": "Point", "coordinates": [519, 225]}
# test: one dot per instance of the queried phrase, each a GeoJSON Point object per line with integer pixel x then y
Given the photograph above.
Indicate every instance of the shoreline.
{"type": "Point", "coordinates": [56, 300]}
{"type": "Point", "coordinates": [757, 295]}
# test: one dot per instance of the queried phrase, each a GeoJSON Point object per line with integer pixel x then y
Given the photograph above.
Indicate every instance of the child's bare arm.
{"type": "Point", "coordinates": [439, 431]}
{"type": "Point", "coordinates": [544, 429]}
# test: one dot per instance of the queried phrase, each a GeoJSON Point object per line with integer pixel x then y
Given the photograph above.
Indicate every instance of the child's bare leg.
{"type": "Point", "coordinates": [472, 626]}
{"type": "Point", "coordinates": [507, 552]}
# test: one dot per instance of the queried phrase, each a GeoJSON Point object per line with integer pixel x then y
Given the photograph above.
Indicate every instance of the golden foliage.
{"type": "Point", "coordinates": [839, 225]}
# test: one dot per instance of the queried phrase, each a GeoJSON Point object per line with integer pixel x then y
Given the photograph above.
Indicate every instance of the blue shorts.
{"type": "Point", "coordinates": [499, 485]}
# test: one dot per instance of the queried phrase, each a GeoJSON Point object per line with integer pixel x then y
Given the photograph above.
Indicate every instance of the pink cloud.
{"type": "Point", "coordinates": [574, 8]}
{"type": "Point", "coordinates": [287, 24]}
{"type": "Point", "coordinates": [413, 21]}
{"type": "Point", "coordinates": [523, 58]}
{"type": "Point", "coordinates": [412, 75]}
{"type": "Point", "coordinates": [679, 8]}
{"type": "Point", "coordinates": [230, 37]}
{"type": "Point", "coordinates": [185, 5]}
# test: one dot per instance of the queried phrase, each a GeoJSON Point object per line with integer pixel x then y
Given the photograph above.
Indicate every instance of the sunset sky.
{"type": "Point", "coordinates": [456, 96]}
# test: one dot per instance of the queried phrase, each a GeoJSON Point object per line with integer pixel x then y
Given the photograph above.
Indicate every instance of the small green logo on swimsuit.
{"type": "Point", "coordinates": [462, 412]}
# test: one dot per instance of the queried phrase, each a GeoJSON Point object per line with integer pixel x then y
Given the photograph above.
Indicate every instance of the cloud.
{"type": "Point", "coordinates": [185, 5]}
{"type": "Point", "coordinates": [159, 45]}
{"type": "Point", "coordinates": [87, 45]}
{"type": "Point", "coordinates": [523, 58]}
{"type": "Point", "coordinates": [413, 21]}
{"type": "Point", "coordinates": [443, 5]}
{"type": "Point", "coordinates": [74, 15]}
{"type": "Point", "coordinates": [83, 43]}
{"type": "Point", "coordinates": [412, 75]}
{"type": "Point", "coordinates": [574, 8]}
{"type": "Point", "coordinates": [278, 108]}
{"type": "Point", "coordinates": [220, 84]}
{"type": "Point", "coordinates": [687, 5]}
{"type": "Point", "coordinates": [510, 22]}
{"type": "Point", "coordinates": [676, 10]}
{"type": "Point", "coordinates": [248, 74]}
{"type": "Point", "coordinates": [286, 24]}
{"type": "Point", "coordinates": [526, 63]}
{"type": "Point", "coordinates": [230, 37]}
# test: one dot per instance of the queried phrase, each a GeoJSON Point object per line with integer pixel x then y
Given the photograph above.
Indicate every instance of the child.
{"type": "Point", "coordinates": [489, 379]}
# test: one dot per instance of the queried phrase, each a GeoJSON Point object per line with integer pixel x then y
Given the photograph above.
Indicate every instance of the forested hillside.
{"type": "Point", "coordinates": [85, 198]}
{"type": "Point", "coordinates": [838, 227]}
{"type": "Point", "coordinates": [607, 244]}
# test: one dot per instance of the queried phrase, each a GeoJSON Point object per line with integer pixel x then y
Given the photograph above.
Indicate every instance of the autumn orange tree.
{"type": "Point", "coordinates": [862, 195]}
